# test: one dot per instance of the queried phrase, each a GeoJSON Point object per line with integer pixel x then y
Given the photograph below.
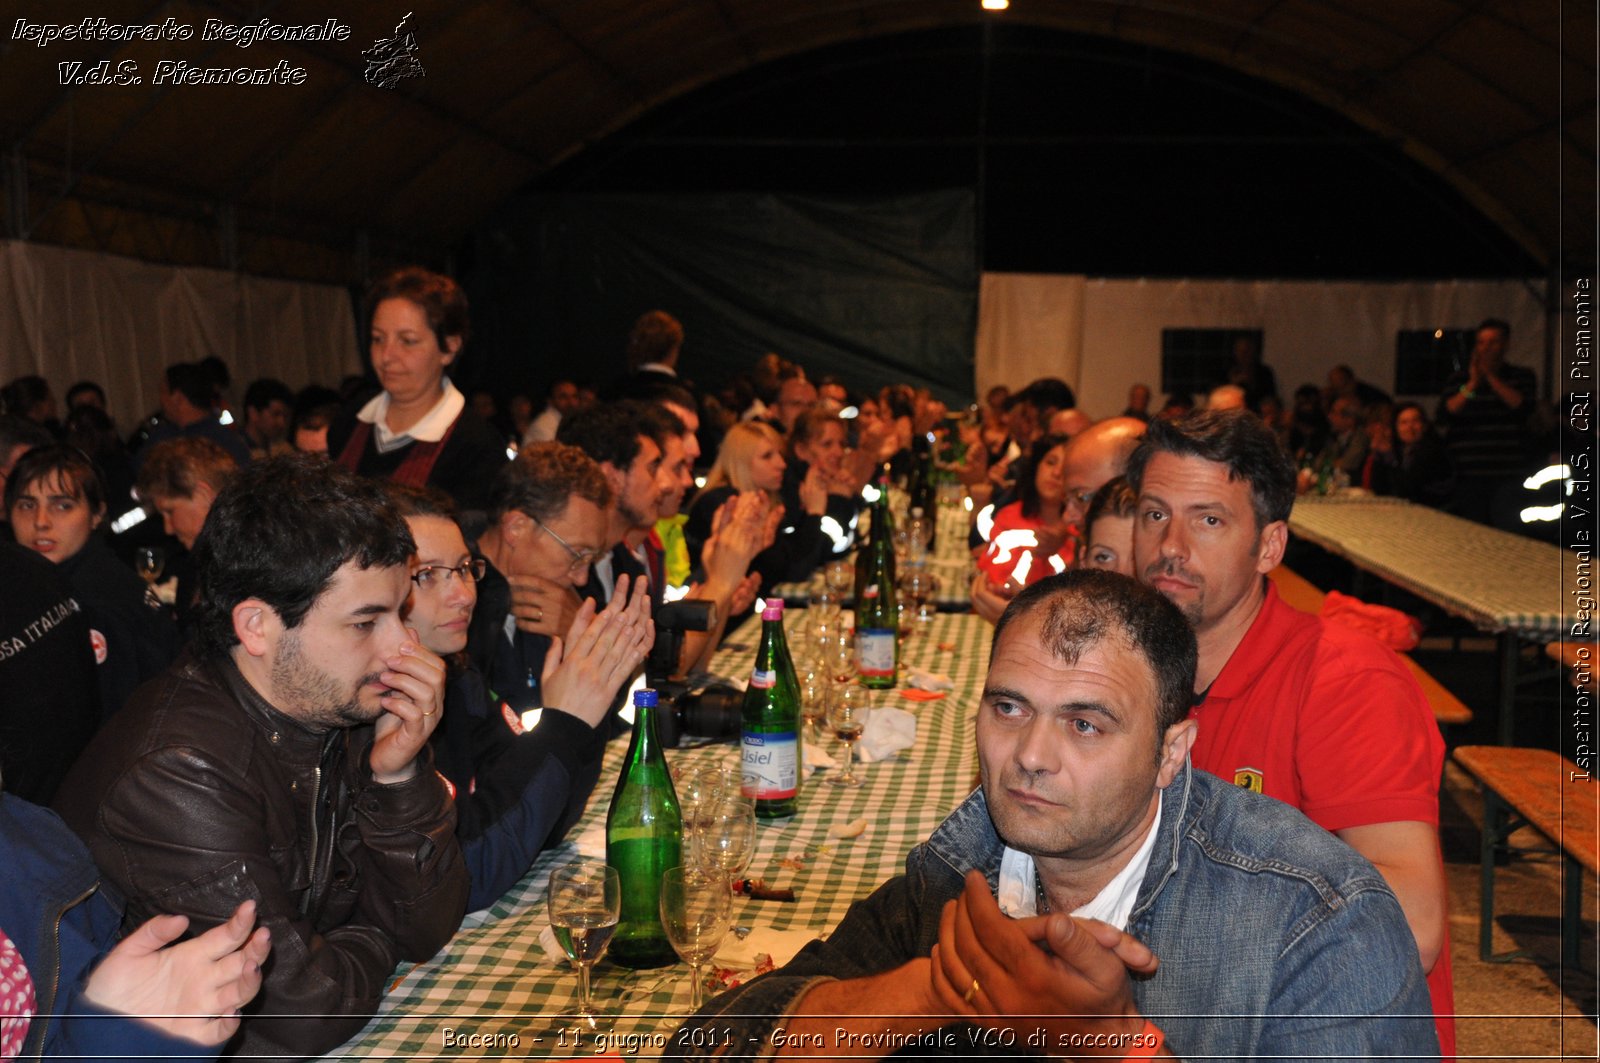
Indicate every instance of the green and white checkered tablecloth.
{"type": "Point", "coordinates": [1498, 581]}
{"type": "Point", "coordinates": [495, 981]}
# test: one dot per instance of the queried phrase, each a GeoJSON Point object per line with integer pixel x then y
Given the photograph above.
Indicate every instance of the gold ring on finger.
{"type": "Point", "coordinates": [971, 994]}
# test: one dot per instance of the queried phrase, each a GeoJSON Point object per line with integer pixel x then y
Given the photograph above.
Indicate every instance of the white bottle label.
{"type": "Point", "coordinates": [762, 680]}
{"type": "Point", "coordinates": [770, 764]}
{"type": "Point", "coordinates": [875, 651]}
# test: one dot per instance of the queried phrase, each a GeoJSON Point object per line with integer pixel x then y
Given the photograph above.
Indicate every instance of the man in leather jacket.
{"type": "Point", "coordinates": [286, 759]}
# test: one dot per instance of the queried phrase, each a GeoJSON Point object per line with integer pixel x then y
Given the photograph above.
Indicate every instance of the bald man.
{"type": "Point", "coordinates": [1096, 455]}
{"type": "Point", "coordinates": [1070, 423]}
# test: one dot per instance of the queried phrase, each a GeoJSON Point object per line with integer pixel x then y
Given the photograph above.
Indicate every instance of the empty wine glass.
{"type": "Point", "coordinates": [839, 654]}
{"type": "Point", "coordinates": [585, 900]}
{"type": "Point", "coordinates": [727, 840]}
{"type": "Point", "coordinates": [696, 910]}
{"type": "Point", "coordinates": [847, 716]}
{"type": "Point", "coordinates": [814, 684]}
{"type": "Point", "coordinates": [919, 531]}
{"type": "Point", "coordinates": [917, 588]}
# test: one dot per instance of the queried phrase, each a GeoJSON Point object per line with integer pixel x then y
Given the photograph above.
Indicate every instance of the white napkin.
{"type": "Point", "coordinates": [887, 732]}
{"type": "Point", "coordinates": [922, 679]}
{"type": "Point", "coordinates": [816, 758]}
{"type": "Point", "coordinates": [781, 945]}
{"type": "Point", "coordinates": [592, 842]}
{"type": "Point", "coordinates": [552, 947]}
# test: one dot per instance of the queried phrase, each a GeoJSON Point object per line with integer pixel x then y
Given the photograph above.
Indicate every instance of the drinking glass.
{"type": "Point", "coordinates": [814, 684]}
{"type": "Point", "coordinates": [585, 900]}
{"type": "Point", "coordinates": [727, 840]}
{"type": "Point", "coordinates": [917, 588]}
{"type": "Point", "coordinates": [696, 910]}
{"type": "Point", "coordinates": [839, 654]}
{"type": "Point", "coordinates": [839, 576]}
{"type": "Point", "coordinates": [847, 716]}
{"type": "Point", "coordinates": [919, 531]}
{"type": "Point", "coordinates": [149, 561]}
{"type": "Point", "coordinates": [698, 797]}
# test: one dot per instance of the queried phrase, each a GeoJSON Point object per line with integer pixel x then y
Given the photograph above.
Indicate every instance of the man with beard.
{"type": "Point", "coordinates": [286, 761]}
{"type": "Point", "coordinates": [1315, 714]}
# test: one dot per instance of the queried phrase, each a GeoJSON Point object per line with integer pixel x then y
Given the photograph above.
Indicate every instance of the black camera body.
{"type": "Point", "coordinates": [697, 710]}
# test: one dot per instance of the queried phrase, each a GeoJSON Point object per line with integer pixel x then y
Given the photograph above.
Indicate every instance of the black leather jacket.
{"type": "Point", "coordinates": [200, 795]}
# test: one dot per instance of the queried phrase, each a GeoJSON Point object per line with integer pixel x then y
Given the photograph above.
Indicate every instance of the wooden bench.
{"type": "Point", "coordinates": [1543, 790]}
{"type": "Point", "coordinates": [1303, 595]}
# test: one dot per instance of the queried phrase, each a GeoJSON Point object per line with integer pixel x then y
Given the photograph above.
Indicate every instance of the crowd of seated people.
{"type": "Point", "coordinates": [497, 574]}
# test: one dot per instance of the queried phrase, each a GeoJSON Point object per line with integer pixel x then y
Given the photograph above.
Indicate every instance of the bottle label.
{"type": "Point", "coordinates": [871, 591]}
{"type": "Point", "coordinates": [763, 680]}
{"type": "Point", "coordinates": [770, 763]}
{"type": "Point", "coordinates": [875, 651]}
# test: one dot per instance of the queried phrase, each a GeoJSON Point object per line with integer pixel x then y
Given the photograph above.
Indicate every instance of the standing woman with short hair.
{"type": "Point", "coordinates": [418, 431]}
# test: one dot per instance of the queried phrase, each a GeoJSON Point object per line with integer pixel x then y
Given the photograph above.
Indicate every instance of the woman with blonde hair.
{"type": "Point", "coordinates": [750, 459]}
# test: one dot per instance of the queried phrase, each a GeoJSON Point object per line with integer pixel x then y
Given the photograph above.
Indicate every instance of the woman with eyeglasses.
{"type": "Point", "coordinates": [56, 502]}
{"type": "Point", "coordinates": [419, 430]}
{"type": "Point", "coordinates": [517, 789]}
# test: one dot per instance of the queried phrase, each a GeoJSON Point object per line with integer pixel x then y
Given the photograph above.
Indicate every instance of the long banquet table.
{"type": "Point", "coordinates": [495, 983]}
{"type": "Point", "coordinates": [1506, 585]}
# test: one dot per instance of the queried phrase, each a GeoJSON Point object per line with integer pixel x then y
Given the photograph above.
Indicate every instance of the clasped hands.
{"type": "Point", "coordinates": [1057, 973]}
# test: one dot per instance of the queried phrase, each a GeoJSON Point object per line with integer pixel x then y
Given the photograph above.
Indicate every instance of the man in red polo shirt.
{"type": "Point", "coordinates": [1316, 715]}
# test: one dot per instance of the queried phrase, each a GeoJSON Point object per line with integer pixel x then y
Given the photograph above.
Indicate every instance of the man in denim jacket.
{"type": "Point", "coordinates": [1204, 920]}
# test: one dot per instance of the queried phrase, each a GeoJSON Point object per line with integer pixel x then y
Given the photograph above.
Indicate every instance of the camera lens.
{"type": "Point", "coordinates": [712, 713]}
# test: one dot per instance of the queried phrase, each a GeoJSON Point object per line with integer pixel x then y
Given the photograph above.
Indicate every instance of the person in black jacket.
{"type": "Point", "coordinates": [1409, 460]}
{"type": "Point", "coordinates": [751, 460]}
{"type": "Point", "coordinates": [57, 503]}
{"type": "Point", "coordinates": [517, 790]}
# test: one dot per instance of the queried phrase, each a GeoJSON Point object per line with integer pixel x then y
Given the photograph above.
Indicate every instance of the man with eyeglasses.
{"type": "Point", "coordinates": [517, 792]}
{"type": "Point", "coordinates": [548, 519]}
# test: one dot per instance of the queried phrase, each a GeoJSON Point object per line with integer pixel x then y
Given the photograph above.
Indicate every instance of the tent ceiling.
{"type": "Point", "coordinates": [1497, 96]}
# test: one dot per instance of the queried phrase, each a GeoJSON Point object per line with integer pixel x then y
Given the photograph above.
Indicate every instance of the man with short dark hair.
{"type": "Point", "coordinates": [188, 408]}
{"type": "Point", "coordinates": [286, 760]}
{"type": "Point", "coordinates": [267, 404]}
{"type": "Point", "coordinates": [627, 440]}
{"type": "Point", "coordinates": [1484, 417]}
{"type": "Point", "coordinates": [1315, 714]}
{"type": "Point", "coordinates": [1097, 889]}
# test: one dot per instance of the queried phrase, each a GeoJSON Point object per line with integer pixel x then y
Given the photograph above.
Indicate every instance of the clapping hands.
{"type": "Point", "coordinates": [601, 651]}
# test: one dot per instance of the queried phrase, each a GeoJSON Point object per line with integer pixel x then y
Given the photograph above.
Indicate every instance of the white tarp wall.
{"type": "Point", "coordinates": [77, 315]}
{"type": "Point", "coordinates": [1103, 335]}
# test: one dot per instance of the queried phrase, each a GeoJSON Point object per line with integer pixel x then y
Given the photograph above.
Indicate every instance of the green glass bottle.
{"type": "Point", "coordinates": [877, 605]}
{"type": "Point", "coordinates": [644, 839]}
{"type": "Point", "coordinates": [769, 745]}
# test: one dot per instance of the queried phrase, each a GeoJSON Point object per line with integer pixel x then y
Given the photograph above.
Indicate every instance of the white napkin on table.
{"type": "Point", "coordinates": [816, 758]}
{"type": "Point", "coordinates": [887, 731]}
{"type": "Point", "coordinates": [922, 679]}
{"type": "Point", "coordinates": [781, 945]}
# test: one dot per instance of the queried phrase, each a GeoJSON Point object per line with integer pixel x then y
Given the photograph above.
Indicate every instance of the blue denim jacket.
{"type": "Point", "coordinates": [1276, 939]}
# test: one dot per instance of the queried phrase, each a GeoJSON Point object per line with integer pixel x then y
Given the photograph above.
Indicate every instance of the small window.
{"type": "Point", "coordinates": [1195, 360]}
{"type": "Point", "coordinates": [1426, 358]}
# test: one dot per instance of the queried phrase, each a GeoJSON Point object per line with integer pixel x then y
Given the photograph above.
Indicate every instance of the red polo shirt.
{"type": "Point", "coordinates": [1327, 719]}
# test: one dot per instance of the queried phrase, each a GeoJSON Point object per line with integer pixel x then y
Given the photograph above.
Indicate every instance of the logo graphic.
{"type": "Point", "coordinates": [98, 641]}
{"type": "Point", "coordinates": [392, 59]}
{"type": "Point", "coordinates": [1248, 778]}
